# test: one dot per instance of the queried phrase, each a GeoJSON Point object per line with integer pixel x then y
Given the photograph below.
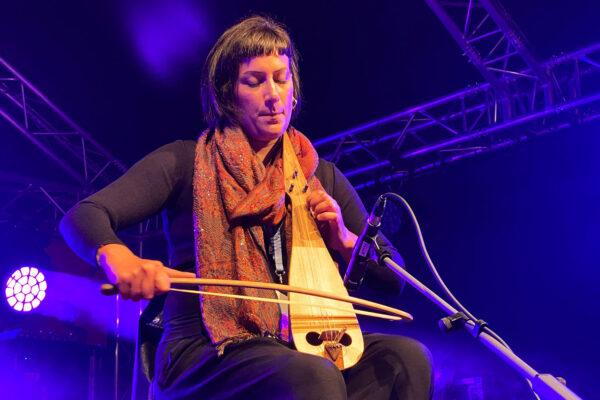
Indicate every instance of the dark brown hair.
{"type": "Point", "coordinates": [253, 37]}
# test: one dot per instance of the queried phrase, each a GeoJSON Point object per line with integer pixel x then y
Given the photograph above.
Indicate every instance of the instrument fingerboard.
{"type": "Point", "coordinates": [306, 232]}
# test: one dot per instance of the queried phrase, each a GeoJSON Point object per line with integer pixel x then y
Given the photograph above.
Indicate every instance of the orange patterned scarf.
{"type": "Point", "coordinates": [234, 196]}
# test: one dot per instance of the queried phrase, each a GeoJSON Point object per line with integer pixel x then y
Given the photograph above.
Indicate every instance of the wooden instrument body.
{"type": "Point", "coordinates": [316, 329]}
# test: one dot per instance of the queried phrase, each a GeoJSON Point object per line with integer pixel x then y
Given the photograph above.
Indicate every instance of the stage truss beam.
{"type": "Point", "coordinates": [53, 132]}
{"type": "Point", "coordinates": [469, 122]}
{"type": "Point", "coordinates": [494, 45]}
{"type": "Point", "coordinates": [89, 166]}
{"type": "Point", "coordinates": [86, 162]}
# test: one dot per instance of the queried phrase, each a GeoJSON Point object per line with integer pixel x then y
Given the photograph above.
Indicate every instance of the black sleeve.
{"type": "Point", "coordinates": [355, 215]}
{"type": "Point", "coordinates": [141, 192]}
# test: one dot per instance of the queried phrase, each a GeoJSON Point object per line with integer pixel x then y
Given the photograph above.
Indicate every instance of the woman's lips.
{"type": "Point", "coordinates": [272, 118]}
{"type": "Point", "coordinates": [270, 114]}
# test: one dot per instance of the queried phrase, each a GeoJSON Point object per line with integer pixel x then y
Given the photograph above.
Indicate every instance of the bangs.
{"type": "Point", "coordinates": [264, 43]}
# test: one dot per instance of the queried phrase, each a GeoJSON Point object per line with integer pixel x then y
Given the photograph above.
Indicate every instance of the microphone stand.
{"type": "Point", "coordinates": [545, 385]}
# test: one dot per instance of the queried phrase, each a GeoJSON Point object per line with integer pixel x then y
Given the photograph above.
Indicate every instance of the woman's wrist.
{"type": "Point", "coordinates": [107, 250]}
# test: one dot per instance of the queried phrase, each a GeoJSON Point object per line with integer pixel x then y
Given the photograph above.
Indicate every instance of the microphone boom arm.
{"type": "Point", "coordinates": [545, 385]}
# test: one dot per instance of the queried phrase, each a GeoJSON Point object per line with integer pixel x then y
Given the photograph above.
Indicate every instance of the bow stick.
{"type": "Point", "coordinates": [288, 302]}
{"type": "Point", "coordinates": [110, 289]}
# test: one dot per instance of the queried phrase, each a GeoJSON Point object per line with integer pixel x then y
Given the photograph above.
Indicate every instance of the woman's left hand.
{"type": "Point", "coordinates": [328, 215]}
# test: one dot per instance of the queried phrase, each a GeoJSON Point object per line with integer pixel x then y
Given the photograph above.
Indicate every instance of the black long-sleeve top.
{"type": "Point", "coordinates": [162, 182]}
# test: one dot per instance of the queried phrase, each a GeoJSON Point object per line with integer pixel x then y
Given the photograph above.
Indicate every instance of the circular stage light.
{"type": "Point", "coordinates": [26, 288]}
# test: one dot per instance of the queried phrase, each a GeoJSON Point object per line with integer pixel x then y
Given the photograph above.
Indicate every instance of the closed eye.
{"type": "Point", "coordinates": [254, 79]}
{"type": "Point", "coordinates": [253, 84]}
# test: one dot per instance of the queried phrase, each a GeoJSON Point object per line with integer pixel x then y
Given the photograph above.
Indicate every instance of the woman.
{"type": "Point", "coordinates": [224, 210]}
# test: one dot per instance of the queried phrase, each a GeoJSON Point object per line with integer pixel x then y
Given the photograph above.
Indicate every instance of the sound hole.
{"type": "Point", "coordinates": [317, 339]}
{"type": "Point", "coordinates": [346, 340]}
{"type": "Point", "coordinates": [313, 338]}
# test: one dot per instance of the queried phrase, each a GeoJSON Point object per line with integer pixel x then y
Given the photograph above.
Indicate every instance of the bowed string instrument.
{"type": "Point", "coordinates": [322, 319]}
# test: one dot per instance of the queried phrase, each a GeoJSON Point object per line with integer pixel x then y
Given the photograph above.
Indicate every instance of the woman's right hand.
{"type": "Point", "coordinates": [136, 278]}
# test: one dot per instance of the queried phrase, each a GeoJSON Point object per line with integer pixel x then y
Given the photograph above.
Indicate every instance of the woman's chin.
{"type": "Point", "coordinates": [264, 138]}
{"type": "Point", "coordinates": [272, 132]}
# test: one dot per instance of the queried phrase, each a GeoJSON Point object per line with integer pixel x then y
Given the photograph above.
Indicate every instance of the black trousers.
{"type": "Point", "coordinates": [391, 367]}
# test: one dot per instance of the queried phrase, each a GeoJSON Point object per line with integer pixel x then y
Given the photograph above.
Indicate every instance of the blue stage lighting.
{"type": "Point", "coordinates": [26, 288]}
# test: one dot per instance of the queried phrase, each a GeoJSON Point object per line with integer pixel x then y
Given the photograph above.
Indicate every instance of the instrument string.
{"type": "Point", "coordinates": [309, 256]}
{"type": "Point", "coordinates": [309, 228]}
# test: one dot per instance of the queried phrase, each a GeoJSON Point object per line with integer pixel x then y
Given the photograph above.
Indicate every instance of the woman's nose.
{"type": "Point", "coordinates": [272, 92]}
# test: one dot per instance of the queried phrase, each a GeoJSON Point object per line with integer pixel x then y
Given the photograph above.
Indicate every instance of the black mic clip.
{"type": "Point", "coordinates": [365, 243]}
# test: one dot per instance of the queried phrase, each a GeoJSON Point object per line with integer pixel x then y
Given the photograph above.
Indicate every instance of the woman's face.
{"type": "Point", "coordinates": [264, 95]}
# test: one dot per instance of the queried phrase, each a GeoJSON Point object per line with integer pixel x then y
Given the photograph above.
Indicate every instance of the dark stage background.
{"type": "Point", "coordinates": [513, 232]}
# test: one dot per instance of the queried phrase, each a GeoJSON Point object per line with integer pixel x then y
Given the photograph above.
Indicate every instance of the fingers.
{"type": "Point", "coordinates": [135, 292]}
{"type": "Point", "coordinates": [148, 282]}
{"type": "Point", "coordinates": [320, 202]}
{"type": "Point", "coordinates": [136, 278]}
{"type": "Point", "coordinates": [326, 216]}
{"type": "Point", "coordinates": [330, 222]}
{"type": "Point", "coordinates": [146, 279]}
{"type": "Point", "coordinates": [173, 273]}
{"type": "Point", "coordinates": [142, 279]}
{"type": "Point", "coordinates": [124, 289]}
{"type": "Point", "coordinates": [161, 281]}
{"type": "Point", "coordinates": [315, 197]}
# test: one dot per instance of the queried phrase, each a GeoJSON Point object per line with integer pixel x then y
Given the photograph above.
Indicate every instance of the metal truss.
{"type": "Point", "coordinates": [468, 122]}
{"type": "Point", "coordinates": [51, 130]}
{"type": "Point", "coordinates": [36, 204]}
{"type": "Point", "coordinates": [495, 46]}
{"type": "Point", "coordinates": [32, 203]}
{"type": "Point", "coordinates": [88, 164]}
{"type": "Point", "coordinates": [29, 204]}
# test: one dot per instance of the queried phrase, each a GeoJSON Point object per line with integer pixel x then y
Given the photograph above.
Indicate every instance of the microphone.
{"type": "Point", "coordinates": [360, 254]}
